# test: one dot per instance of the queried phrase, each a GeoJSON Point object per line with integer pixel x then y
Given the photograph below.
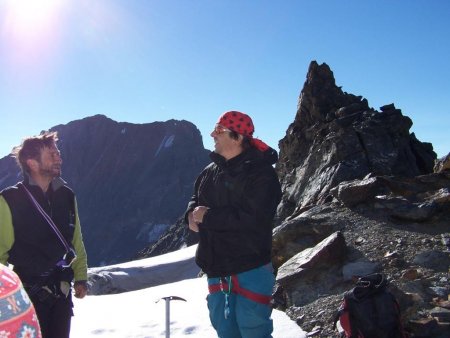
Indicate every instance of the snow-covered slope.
{"type": "Point", "coordinates": [138, 314]}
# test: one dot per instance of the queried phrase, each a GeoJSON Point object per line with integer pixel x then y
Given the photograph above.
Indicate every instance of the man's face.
{"type": "Point", "coordinates": [224, 145]}
{"type": "Point", "coordinates": [49, 165]}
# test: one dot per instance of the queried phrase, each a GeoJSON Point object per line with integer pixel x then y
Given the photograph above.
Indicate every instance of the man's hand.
{"type": "Point", "coordinates": [195, 217]}
{"type": "Point", "coordinates": [80, 288]}
{"type": "Point", "coordinates": [199, 213]}
{"type": "Point", "coordinates": [192, 225]}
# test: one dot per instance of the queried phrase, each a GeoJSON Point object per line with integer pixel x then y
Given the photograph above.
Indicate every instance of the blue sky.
{"type": "Point", "coordinates": [154, 60]}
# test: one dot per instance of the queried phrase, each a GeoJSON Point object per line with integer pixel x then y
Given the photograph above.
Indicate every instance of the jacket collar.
{"type": "Point", "coordinates": [252, 155]}
{"type": "Point", "coordinates": [55, 184]}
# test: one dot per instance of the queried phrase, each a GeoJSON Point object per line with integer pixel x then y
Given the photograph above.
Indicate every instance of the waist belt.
{"type": "Point", "coordinates": [236, 288]}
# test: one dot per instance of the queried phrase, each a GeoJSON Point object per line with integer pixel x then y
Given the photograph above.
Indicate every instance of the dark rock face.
{"type": "Point", "coordinates": [359, 196]}
{"type": "Point", "coordinates": [176, 237]}
{"type": "Point", "coordinates": [9, 172]}
{"type": "Point", "coordinates": [336, 137]}
{"type": "Point", "coordinates": [132, 181]}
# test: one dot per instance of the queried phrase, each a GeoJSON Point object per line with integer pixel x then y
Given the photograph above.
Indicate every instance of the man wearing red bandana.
{"type": "Point", "coordinates": [232, 209]}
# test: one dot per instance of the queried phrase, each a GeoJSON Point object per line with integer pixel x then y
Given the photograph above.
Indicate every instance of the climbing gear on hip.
{"type": "Point", "coordinates": [225, 287]}
{"type": "Point", "coordinates": [230, 284]}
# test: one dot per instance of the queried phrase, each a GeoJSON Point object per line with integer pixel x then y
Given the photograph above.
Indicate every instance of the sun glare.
{"type": "Point", "coordinates": [30, 32]}
{"type": "Point", "coordinates": [29, 19]}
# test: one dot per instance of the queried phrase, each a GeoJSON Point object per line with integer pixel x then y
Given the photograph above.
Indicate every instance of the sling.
{"type": "Point", "coordinates": [70, 255]}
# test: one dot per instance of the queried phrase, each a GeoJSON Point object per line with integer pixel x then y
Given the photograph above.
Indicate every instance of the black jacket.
{"type": "Point", "coordinates": [36, 247]}
{"type": "Point", "coordinates": [242, 195]}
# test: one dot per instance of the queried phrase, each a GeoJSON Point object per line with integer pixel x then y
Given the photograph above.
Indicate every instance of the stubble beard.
{"type": "Point", "coordinates": [52, 172]}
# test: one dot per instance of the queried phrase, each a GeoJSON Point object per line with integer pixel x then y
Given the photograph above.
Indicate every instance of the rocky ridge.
{"type": "Point", "coordinates": [359, 196]}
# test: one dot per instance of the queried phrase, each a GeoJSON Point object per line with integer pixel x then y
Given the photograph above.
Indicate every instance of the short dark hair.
{"type": "Point", "coordinates": [31, 148]}
{"type": "Point", "coordinates": [246, 143]}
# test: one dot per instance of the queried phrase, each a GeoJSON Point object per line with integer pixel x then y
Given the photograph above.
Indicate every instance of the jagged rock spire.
{"type": "Point", "coordinates": [336, 137]}
{"type": "Point", "coordinates": [321, 97]}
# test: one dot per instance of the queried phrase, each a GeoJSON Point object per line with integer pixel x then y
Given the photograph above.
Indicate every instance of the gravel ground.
{"type": "Point", "coordinates": [392, 244]}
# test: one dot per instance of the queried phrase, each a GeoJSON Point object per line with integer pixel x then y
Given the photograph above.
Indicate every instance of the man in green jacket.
{"type": "Point", "coordinates": [40, 235]}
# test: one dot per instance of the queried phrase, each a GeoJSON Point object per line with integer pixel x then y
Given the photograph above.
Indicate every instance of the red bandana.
{"type": "Point", "coordinates": [242, 124]}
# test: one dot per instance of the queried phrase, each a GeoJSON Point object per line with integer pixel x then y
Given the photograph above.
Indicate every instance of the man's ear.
{"type": "Point", "coordinates": [32, 164]}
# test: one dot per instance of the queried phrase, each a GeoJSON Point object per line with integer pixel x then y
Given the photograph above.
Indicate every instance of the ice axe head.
{"type": "Point", "coordinates": [169, 298]}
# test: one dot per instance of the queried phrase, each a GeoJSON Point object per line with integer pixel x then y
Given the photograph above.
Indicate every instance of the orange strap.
{"type": "Point", "coordinates": [236, 288]}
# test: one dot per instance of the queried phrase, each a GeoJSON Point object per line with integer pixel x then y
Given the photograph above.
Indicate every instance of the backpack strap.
{"type": "Point", "coordinates": [369, 285]}
{"type": "Point", "coordinates": [349, 299]}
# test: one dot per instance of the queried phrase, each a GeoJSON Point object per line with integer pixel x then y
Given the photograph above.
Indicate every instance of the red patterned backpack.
{"type": "Point", "coordinates": [17, 315]}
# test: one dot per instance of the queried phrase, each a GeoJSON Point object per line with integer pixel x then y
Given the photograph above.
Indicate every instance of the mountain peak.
{"type": "Point", "coordinates": [320, 96]}
{"type": "Point", "coordinates": [129, 179]}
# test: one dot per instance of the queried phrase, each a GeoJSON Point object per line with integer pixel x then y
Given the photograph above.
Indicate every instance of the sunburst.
{"type": "Point", "coordinates": [29, 19]}
{"type": "Point", "coordinates": [30, 32]}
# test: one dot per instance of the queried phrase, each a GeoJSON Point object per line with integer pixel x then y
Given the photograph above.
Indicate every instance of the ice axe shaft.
{"type": "Point", "coordinates": [168, 299]}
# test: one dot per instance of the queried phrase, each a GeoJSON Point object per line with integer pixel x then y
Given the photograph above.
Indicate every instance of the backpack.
{"type": "Point", "coordinates": [369, 310]}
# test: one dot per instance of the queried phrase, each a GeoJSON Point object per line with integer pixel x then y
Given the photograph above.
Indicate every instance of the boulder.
{"type": "Point", "coordinates": [442, 164]}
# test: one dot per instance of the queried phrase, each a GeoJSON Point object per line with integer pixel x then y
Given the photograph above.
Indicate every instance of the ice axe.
{"type": "Point", "coordinates": [168, 299]}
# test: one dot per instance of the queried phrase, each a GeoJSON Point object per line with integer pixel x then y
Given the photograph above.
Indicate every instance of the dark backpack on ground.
{"type": "Point", "coordinates": [369, 310]}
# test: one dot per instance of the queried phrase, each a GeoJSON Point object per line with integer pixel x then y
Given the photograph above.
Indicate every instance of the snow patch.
{"type": "Point", "coordinates": [166, 142]}
{"type": "Point", "coordinates": [134, 276]}
{"type": "Point", "coordinates": [169, 141]}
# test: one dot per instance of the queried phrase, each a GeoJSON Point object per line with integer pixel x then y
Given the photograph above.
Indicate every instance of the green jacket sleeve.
{"type": "Point", "coordinates": [80, 264]}
{"type": "Point", "coordinates": [6, 231]}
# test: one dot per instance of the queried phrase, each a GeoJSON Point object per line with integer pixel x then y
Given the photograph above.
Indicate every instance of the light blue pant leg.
{"type": "Point", "coordinates": [253, 318]}
{"type": "Point", "coordinates": [247, 319]}
{"type": "Point", "coordinates": [225, 328]}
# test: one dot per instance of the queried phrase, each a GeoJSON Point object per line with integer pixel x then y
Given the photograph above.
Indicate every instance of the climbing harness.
{"type": "Point", "coordinates": [231, 284]}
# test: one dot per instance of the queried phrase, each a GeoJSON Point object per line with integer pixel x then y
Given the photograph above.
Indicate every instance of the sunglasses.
{"type": "Point", "coordinates": [218, 129]}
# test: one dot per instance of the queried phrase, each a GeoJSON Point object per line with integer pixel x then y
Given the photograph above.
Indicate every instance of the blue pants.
{"type": "Point", "coordinates": [247, 318]}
